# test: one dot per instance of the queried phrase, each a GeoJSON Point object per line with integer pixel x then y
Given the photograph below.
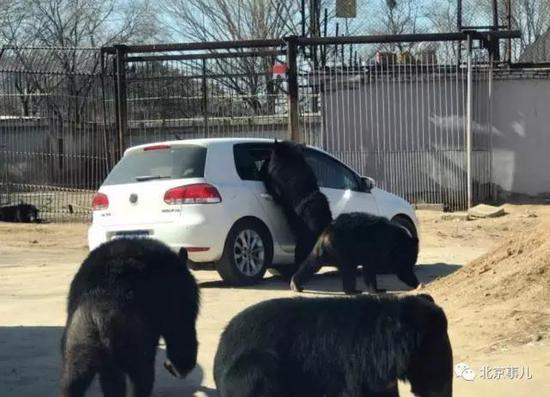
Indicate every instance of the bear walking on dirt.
{"type": "Point", "coordinates": [293, 185]}
{"type": "Point", "coordinates": [334, 347]}
{"type": "Point", "coordinates": [127, 294]}
{"type": "Point", "coordinates": [359, 239]}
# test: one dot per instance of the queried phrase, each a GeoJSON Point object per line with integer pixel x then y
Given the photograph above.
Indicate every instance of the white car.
{"type": "Point", "coordinates": [206, 195]}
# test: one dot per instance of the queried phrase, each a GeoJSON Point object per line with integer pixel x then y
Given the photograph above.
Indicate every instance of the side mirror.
{"type": "Point", "coordinates": [368, 183]}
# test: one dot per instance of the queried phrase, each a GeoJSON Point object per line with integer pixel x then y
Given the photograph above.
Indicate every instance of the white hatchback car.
{"type": "Point", "coordinates": [206, 195]}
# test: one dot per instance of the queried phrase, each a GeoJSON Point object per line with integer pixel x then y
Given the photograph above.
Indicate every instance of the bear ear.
{"type": "Point", "coordinates": [183, 255]}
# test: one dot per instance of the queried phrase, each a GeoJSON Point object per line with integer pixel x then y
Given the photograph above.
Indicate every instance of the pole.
{"type": "Point", "coordinates": [121, 104]}
{"type": "Point", "coordinates": [292, 73]}
{"type": "Point", "coordinates": [509, 23]}
{"type": "Point", "coordinates": [204, 98]}
{"type": "Point", "coordinates": [469, 121]}
{"type": "Point", "coordinates": [492, 190]}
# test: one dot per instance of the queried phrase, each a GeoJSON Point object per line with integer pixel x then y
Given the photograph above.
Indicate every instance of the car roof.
{"type": "Point", "coordinates": [203, 142]}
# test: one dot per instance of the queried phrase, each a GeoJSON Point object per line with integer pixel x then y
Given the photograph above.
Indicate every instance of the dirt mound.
{"type": "Point", "coordinates": [508, 289]}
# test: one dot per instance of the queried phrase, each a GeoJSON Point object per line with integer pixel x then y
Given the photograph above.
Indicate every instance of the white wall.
{"type": "Point", "coordinates": [521, 139]}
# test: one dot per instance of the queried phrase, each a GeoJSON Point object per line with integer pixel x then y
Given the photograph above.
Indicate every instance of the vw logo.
{"type": "Point", "coordinates": [133, 198]}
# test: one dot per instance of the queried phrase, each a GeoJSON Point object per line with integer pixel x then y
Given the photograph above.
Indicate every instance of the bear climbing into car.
{"type": "Point", "coordinates": [126, 294]}
{"type": "Point", "coordinates": [359, 239]}
{"type": "Point", "coordinates": [289, 179]}
{"type": "Point", "coordinates": [333, 347]}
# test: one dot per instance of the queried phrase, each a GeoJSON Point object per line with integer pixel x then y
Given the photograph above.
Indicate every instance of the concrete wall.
{"type": "Point", "coordinates": [521, 135]}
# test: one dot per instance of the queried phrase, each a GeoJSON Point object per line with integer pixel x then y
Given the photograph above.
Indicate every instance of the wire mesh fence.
{"type": "Point", "coordinates": [208, 95]}
{"type": "Point", "coordinates": [53, 130]}
{"type": "Point", "coordinates": [396, 111]}
{"type": "Point", "coordinates": [400, 117]}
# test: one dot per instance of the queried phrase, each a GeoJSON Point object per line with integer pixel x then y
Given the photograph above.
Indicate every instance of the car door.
{"type": "Point", "coordinates": [340, 184]}
{"type": "Point", "coordinates": [249, 158]}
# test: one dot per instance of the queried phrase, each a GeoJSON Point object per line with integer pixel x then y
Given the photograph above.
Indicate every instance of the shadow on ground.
{"type": "Point", "coordinates": [328, 282]}
{"type": "Point", "coordinates": [30, 365]}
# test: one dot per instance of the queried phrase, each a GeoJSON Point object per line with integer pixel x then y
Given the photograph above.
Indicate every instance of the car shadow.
{"type": "Point", "coordinates": [30, 365]}
{"type": "Point", "coordinates": [328, 281]}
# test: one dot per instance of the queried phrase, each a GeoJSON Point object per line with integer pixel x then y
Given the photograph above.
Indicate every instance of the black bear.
{"type": "Point", "coordinates": [359, 239]}
{"type": "Point", "coordinates": [333, 347]}
{"type": "Point", "coordinates": [293, 185]}
{"type": "Point", "coordinates": [24, 213]}
{"type": "Point", "coordinates": [126, 294]}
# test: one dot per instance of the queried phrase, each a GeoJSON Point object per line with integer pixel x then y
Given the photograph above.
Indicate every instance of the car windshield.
{"type": "Point", "coordinates": [164, 163]}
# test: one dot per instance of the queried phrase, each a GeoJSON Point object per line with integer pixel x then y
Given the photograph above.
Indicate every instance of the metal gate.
{"type": "Point", "coordinates": [179, 93]}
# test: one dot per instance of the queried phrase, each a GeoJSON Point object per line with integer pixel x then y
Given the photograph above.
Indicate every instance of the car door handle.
{"type": "Point", "coordinates": [266, 196]}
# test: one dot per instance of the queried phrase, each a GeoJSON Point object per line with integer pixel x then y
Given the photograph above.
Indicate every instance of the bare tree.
{"type": "Point", "coordinates": [396, 17]}
{"type": "Point", "coordinates": [532, 17]}
{"type": "Point", "coordinates": [62, 28]}
{"type": "Point", "coordinates": [232, 20]}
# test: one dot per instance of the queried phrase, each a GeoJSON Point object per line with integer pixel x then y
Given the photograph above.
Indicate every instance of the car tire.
{"type": "Point", "coordinates": [283, 271]}
{"type": "Point", "coordinates": [405, 222]}
{"type": "Point", "coordinates": [247, 253]}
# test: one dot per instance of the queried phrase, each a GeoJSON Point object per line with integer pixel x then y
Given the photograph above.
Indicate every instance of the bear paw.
{"type": "Point", "coordinates": [295, 287]}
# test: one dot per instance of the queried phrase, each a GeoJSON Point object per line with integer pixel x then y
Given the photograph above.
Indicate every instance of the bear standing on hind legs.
{"type": "Point", "coordinates": [127, 294]}
{"type": "Point", "coordinates": [293, 185]}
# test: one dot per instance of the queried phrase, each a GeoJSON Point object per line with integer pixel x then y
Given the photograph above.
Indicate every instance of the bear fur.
{"type": "Point", "coordinates": [334, 347]}
{"type": "Point", "coordinates": [23, 213]}
{"type": "Point", "coordinates": [126, 294]}
{"type": "Point", "coordinates": [289, 179]}
{"type": "Point", "coordinates": [359, 239]}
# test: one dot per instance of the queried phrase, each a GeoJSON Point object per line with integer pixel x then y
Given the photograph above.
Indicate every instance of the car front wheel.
{"type": "Point", "coordinates": [248, 252]}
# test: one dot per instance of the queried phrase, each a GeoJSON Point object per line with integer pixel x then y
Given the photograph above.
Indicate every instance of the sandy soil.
{"type": "Point", "coordinates": [491, 276]}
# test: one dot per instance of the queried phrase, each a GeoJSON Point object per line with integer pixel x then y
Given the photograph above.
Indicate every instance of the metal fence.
{"type": "Point", "coordinates": [54, 129]}
{"type": "Point", "coordinates": [406, 110]}
{"type": "Point", "coordinates": [204, 95]}
{"type": "Point", "coordinates": [400, 117]}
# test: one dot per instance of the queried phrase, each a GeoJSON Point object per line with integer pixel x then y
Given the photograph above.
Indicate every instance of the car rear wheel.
{"type": "Point", "coordinates": [248, 252]}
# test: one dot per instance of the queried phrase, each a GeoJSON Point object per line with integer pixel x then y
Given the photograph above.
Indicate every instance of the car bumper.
{"type": "Point", "coordinates": [204, 241]}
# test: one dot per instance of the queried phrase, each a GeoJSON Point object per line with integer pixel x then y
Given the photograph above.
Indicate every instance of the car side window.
{"type": "Point", "coordinates": [330, 173]}
{"type": "Point", "coordinates": [249, 159]}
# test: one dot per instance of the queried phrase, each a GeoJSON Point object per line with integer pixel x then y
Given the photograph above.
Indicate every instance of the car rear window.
{"type": "Point", "coordinates": [160, 163]}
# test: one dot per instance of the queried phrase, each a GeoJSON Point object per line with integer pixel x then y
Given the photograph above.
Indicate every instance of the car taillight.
{"type": "Point", "coordinates": [156, 147]}
{"type": "Point", "coordinates": [100, 202]}
{"type": "Point", "coordinates": [200, 193]}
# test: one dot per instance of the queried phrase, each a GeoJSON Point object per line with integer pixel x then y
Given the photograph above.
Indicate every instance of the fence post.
{"type": "Point", "coordinates": [204, 98]}
{"type": "Point", "coordinates": [292, 72]}
{"type": "Point", "coordinates": [492, 189]}
{"type": "Point", "coordinates": [469, 119]}
{"type": "Point", "coordinates": [120, 98]}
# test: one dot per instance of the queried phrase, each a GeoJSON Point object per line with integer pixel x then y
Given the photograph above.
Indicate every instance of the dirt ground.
{"type": "Point", "coordinates": [491, 276]}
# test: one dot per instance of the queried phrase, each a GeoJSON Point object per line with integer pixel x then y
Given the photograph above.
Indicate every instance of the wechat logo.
{"type": "Point", "coordinates": [463, 370]}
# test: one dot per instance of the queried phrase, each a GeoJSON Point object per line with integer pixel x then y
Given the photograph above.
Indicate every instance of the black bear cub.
{"type": "Point", "coordinates": [334, 347]}
{"type": "Point", "coordinates": [126, 294]}
{"type": "Point", "coordinates": [359, 239]}
{"type": "Point", "coordinates": [289, 179]}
